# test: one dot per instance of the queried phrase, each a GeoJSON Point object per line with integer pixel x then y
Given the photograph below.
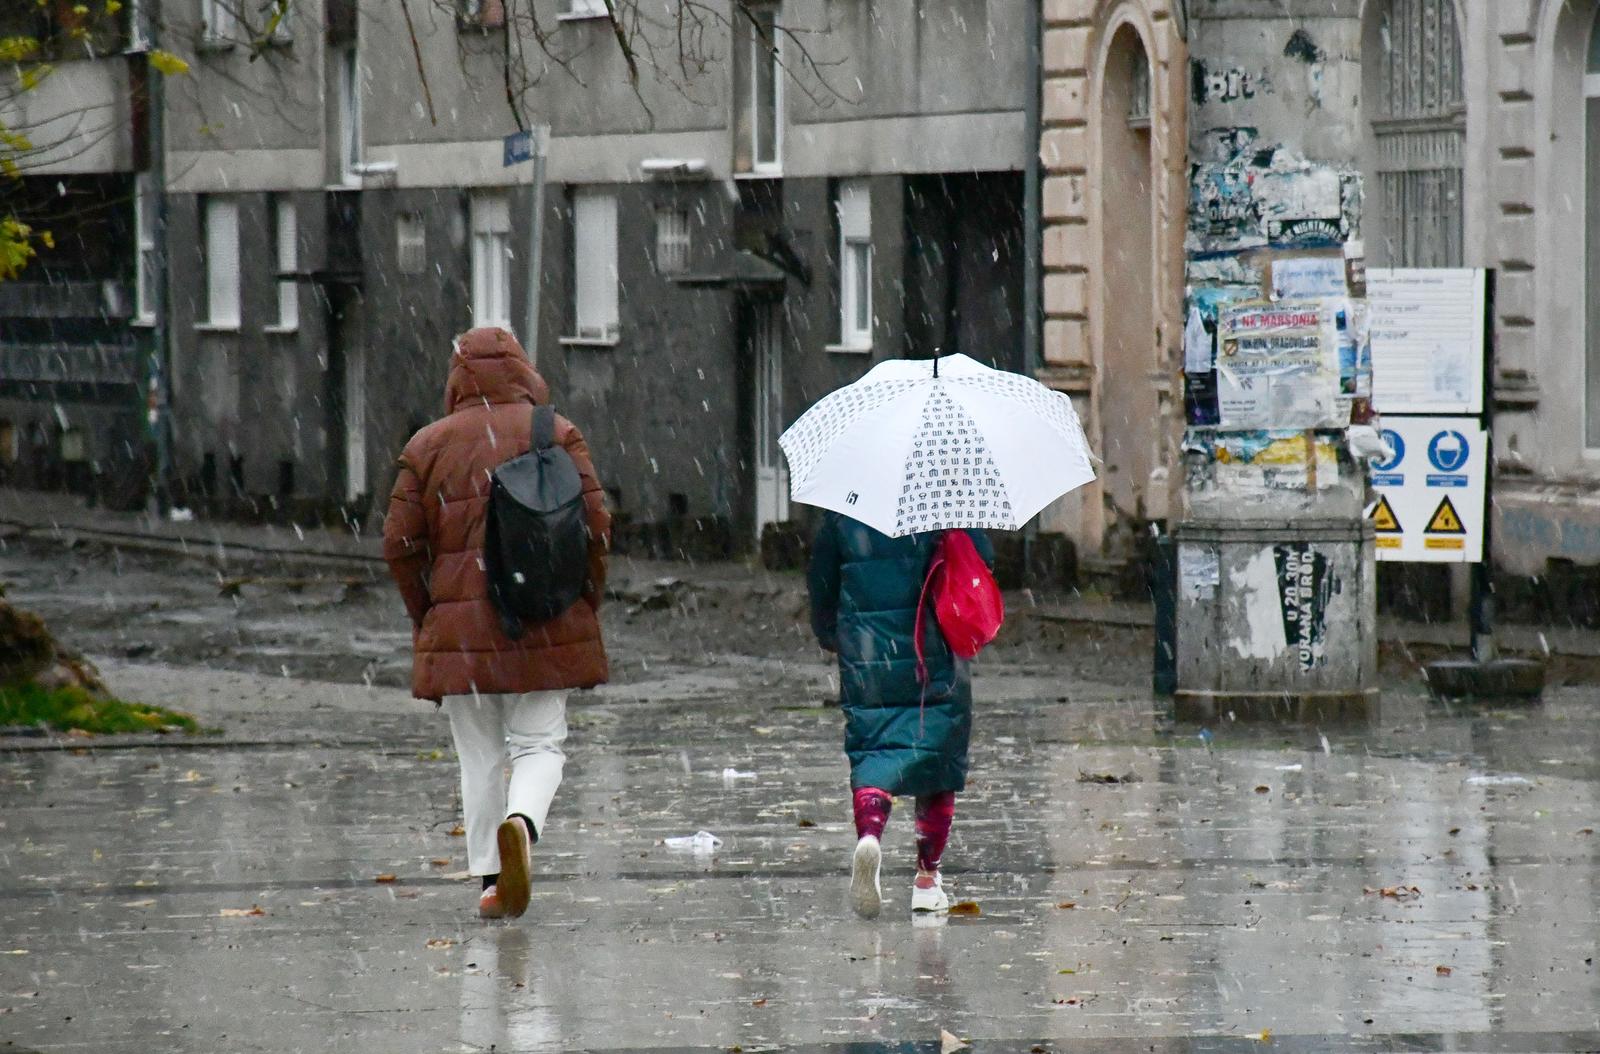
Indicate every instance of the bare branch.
{"type": "Point", "coordinates": [416, 49]}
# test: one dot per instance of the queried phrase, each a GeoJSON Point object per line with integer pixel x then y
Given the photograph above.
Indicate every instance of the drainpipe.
{"type": "Point", "coordinates": [161, 332]}
{"type": "Point", "coordinates": [1032, 228]}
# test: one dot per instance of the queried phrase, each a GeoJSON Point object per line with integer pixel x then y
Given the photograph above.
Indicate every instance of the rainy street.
{"type": "Point", "coordinates": [1425, 881]}
{"type": "Point", "coordinates": [835, 526]}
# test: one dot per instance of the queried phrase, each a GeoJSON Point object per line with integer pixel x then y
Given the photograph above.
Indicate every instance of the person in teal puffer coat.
{"type": "Point", "coordinates": [903, 735]}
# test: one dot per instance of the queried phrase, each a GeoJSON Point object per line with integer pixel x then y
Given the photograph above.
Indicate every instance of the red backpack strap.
{"type": "Point", "coordinates": [934, 566]}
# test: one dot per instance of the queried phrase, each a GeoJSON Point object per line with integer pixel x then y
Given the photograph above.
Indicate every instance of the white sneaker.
{"type": "Point", "coordinates": [933, 898]}
{"type": "Point", "coordinates": [865, 894]}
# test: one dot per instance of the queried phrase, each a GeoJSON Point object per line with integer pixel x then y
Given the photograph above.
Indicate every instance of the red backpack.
{"type": "Point", "coordinates": [966, 600]}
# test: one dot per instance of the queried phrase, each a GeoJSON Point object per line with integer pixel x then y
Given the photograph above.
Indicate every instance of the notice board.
{"type": "Point", "coordinates": [1427, 339]}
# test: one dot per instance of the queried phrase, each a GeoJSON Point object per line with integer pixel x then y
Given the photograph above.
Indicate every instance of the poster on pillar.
{"type": "Point", "coordinates": [1430, 490]}
{"type": "Point", "coordinates": [1277, 366]}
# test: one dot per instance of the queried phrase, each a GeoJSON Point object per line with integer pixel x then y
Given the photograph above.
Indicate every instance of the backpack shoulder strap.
{"type": "Point", "coordinates": [544, 428]}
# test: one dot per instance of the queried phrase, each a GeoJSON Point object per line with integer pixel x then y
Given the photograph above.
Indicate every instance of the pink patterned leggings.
{"type": "Point", "coordinates": [934, 813]}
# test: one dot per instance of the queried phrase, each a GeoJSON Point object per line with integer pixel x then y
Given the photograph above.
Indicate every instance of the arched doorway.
{"type": "Point", "coordinates": [1416, 117]}
{"type": "Point", "coordinates": [1128, 410]}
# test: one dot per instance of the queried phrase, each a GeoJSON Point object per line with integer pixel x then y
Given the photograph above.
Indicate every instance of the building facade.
{"type": "Point", "coordinates": [1454, 132]}
{"type": "Point", "coordinates": [718, 242]}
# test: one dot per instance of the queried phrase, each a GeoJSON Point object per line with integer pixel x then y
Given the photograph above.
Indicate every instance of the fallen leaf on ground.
{"type": "Point", "coordinates": [759, 1002]}
{"type": "Point", "coordinates": [949, 1044]}
{"type": "Point", "coordinates": [1106, 777]}
{"type": "Point", "coordinates": [385, 877]}
{"type": "Point", "coordinates": [254, 911]}
{"type": "Point", "coordinates": [440, 861]}
{"type": "Point", "coordinates": [803, 822]}
{"type": "Point", "coordinates": [457, 831]}
{"type": "Point", "coordinates": [1263, 789]}
{"type": "Point", "coordinates": [1067, 905]}
{"type": "Point", "coordinates": [1064, 970]}
{"type": "Point", "coordinates": [192, 776]}
{"type": "Point", "coordinates": [440, 942]}
{"type": "Point", "coordinates": [140, 903]}
{"type": "Point", "coordinates": [966, 907]}
{"type": "Point", "coordinates": [1394, 892]}
{"type": "Point", "coordinates": [1264, 1036]}
{"type": "Point", "coordinates": [79, 733]}
{"type": "Point", "coordinates": [1443, 971]}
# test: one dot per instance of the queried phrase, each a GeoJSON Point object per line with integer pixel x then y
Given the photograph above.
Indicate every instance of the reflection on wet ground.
{"type": "Point", "coordinates": [1424, 882]}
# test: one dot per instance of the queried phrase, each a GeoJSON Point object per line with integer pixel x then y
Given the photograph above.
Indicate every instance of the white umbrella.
{"type": "Point", "coordinates": [916, 447]}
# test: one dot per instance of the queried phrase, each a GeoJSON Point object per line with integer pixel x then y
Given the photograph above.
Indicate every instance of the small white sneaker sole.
{"type": "Point", "coordinates": [865, 895]}
{"type": "Point", "coordinates": [929, 900]}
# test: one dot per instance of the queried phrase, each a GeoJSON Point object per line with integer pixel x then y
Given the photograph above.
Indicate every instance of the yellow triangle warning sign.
{"type": "Point", "coordinates": [1445, 519]}
{"type": "Point", "coordinates": [1384, 521]}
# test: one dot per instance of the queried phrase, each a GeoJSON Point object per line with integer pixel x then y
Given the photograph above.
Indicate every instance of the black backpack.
{"type": "Point", "coordinates": [536, 541]}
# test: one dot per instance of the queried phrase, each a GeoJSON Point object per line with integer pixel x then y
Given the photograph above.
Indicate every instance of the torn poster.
{"type": "Point", "coordinates": [1197, 353]}
{"type": "Point", "coordinates": [1262, 460]}
{"type": "Point", "coordinates": [1277, 366]}
{"type": "Point", "coordinates": [1308, 277]}
{"type": "Point", "coordinates": [1305, 586]}
{"type": "Point", "coordinates": [1199, 571]}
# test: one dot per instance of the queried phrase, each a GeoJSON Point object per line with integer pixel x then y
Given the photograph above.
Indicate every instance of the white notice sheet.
{"type": "Point", "coordinates": [1427, 340]}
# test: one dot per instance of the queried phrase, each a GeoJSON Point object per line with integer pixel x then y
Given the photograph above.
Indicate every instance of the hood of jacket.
{"type": "Point", "coordinates": [487, 365]}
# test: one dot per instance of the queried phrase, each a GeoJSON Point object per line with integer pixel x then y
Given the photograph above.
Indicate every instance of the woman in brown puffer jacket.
{"type": "Point", "coordinates": [505, 698]}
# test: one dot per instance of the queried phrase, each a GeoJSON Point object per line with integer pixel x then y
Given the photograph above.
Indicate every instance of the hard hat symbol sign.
{"type": "Point", "coordinates": [1449, 451]}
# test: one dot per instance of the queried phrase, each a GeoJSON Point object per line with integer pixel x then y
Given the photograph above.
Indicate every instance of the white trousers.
{"type": "Point", "coordinates": [489, 730]}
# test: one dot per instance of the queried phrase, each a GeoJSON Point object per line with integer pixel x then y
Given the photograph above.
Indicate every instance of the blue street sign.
{"type": "Point", "coordinates": [519, 148]}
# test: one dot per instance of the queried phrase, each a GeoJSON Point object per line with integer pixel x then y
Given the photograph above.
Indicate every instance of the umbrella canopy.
{"type": "Point", "coordinates": [913, 447]}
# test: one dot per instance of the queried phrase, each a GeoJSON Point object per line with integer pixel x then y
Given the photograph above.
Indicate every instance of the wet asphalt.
{"type": "Point", "coordinates": [1422, 881]}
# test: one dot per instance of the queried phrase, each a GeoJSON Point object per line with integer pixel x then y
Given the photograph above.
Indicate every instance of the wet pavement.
{"type": "Point", "coordinates": [1425, 882]}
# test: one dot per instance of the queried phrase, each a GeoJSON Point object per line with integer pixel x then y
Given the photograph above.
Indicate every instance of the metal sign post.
{"type": "Point", "coordinates": [532, 144]}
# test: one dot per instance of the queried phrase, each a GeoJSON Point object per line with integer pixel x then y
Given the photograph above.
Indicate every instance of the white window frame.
{"type": "Point", "coordinates": [580, 9]}
{"type": "Point", "coordinates": [286, 250]}
{"type": "Point", "coordinates": [220, 217]}
{"type": "Point", "coordinates": [491, 259]}
{"type": "Point", "coordinates": [349, 130]}
{"type": "Point", "coordinates": [853, 205]}
{"type": "Point", "coordinates": [595, 295]}
{"type": "Point", "coordinates": [674, 243]}
{"type": "Point", "coordinates": [145, 261]}
{"type": "Point", "coordinates": [751, 101]}
{"type": "Point", "coordinates": [220, 22]}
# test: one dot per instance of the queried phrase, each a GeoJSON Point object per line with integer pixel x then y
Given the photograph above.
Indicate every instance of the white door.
{"type": "Point", "coordinates": [772, 474]}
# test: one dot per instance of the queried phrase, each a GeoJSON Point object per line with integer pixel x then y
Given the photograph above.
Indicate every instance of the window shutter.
{"type": "Point", "coordinates": [222, 262]}
{"type": "Point", "coordinates": [595, 243]}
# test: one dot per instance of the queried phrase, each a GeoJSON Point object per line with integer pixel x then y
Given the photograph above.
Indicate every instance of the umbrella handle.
{"type": "Point", "coordinates": [936, 364]}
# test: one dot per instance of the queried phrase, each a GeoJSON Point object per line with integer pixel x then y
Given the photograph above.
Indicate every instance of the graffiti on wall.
{"type": "Point", "coordinates": [1232, 84]}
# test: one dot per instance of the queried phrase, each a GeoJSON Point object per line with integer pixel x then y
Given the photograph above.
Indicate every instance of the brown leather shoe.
{"type": "Point", "coordinates": [516, 866]}
{"type": "Point", "coordinates": [489, 906]}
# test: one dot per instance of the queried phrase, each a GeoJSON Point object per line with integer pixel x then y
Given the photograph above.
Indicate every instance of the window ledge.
{"type": "Point", "coordinates": [216, 327]}
{"type": "Point", "coordinates": [583, 16]}
{"type": "Point", "coordinates": [760, 173]}
{"type": "Point", "coordinates": [209, 43]}
{"type": "Point", "coordinates": [281, 330]}
{"type": "Point", "coordinates": [148, 322]}
{"type": "Point", "coordinates": [849, 349]}
{"type": "Point", "coordinates": [589, 342]}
